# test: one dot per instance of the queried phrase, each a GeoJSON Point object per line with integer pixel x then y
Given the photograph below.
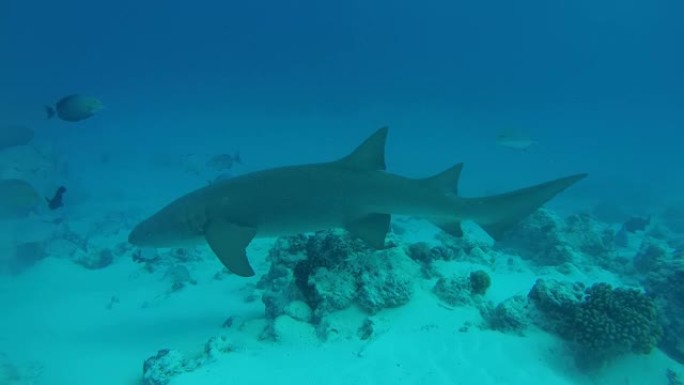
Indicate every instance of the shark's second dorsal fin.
{"type": "Point", "coordinates": [369, 155]}
{"type": "Point", "coordinates": [446, 180]}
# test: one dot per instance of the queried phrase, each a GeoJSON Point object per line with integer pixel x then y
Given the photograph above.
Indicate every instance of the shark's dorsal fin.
{"type": "Point", "coordinates": [447, 180]}
{"type": "Point", "coordinates": [369, 155]}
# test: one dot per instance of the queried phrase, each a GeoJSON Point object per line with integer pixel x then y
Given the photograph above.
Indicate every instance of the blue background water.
{"type": "Point", "coordinates": [599, 84]}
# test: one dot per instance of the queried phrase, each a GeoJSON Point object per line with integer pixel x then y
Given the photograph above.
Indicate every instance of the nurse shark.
{"type": "Point", "coordinates": [354, 193]}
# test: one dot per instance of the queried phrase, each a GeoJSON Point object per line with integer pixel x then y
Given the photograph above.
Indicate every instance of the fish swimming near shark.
{"type": "Point", "coordinates": [514, 140]}
{"type": "Point", "coordinates": [15, 135]}
{"type": "Point", "coordinates": [74, 108]}
{"type": "Point", "coordinates": [223, 162]}
{"type": "Point", "coordinates": [18, 198]}
{"type": "Point", "coordinates": [354, 193]}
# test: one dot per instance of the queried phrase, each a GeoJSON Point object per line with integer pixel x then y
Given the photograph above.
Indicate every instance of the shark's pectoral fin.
{"type": "Point", "coordinates": [229, 241]}
{"type": "Point", "coordinates": [452, 228]}
{"type": "Point", "coordinates": [497, 230]}
{"type": "Point", "coordinates": [372, 228]}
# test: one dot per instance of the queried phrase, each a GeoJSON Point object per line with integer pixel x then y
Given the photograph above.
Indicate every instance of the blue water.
{"type": "Point", "coordinates": [599, 85]}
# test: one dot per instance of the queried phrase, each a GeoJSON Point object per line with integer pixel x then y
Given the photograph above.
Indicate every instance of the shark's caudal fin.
{"type": "Point", "coordinates": [498, 213]}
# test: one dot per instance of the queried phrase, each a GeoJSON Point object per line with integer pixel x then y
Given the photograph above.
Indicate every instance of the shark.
{"type": "Point", "coordinates": [354, 192]}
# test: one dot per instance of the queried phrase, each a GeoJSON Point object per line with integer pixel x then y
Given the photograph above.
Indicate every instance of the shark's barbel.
{"type": "Point", "coordinates": [354, 193]}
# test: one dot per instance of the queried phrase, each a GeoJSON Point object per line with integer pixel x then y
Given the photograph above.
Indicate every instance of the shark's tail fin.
{"type": "Point", "coordinates": [498, 213]}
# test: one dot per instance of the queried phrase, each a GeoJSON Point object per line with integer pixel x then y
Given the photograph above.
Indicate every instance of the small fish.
{"type": "Point", "coordinates": [18, 198]}
{"type": "Point", "coordinates": [220, 178]}
{"type": "Point", "coordinates": [57, 200]}
{"type": "Point", "coordinates": [12, 136]}
{"type": "Point", "coordinates": [514, 140]}
{"type": "Point", "coordinates": [74, 108]}
{"type": "Point", "coordinates": [223, 162]}
{"type": "Point", "coordinates": [635, 224]}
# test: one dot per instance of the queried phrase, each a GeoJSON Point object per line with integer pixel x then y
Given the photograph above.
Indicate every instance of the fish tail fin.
{"type": "Point", "coordinates": [498, 213]}
{"type": "Point", "coordinates": [50, 112]}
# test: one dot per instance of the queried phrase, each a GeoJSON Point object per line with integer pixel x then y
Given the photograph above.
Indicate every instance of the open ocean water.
{"type": "Point", "coordinates": [151, 101]}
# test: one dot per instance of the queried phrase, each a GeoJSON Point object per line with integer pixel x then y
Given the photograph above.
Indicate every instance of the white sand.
{"type": "Point", "coordinates": [56, 314]}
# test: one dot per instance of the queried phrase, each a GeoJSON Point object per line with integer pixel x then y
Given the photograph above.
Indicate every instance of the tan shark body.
{"type": "Point", "coordinates": [354, 193]}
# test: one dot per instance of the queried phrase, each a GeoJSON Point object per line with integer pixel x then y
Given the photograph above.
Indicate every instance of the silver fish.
{"type": "Point", "coordinates": [514, 140]}
{"type": "Point", "coordinates": [223, 162]}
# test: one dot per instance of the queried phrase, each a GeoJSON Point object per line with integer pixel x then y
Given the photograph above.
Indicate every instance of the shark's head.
{"type": "Point", "coordinates": [147, 234]}
{"type": "Point", "coordinates": [165, 229]}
